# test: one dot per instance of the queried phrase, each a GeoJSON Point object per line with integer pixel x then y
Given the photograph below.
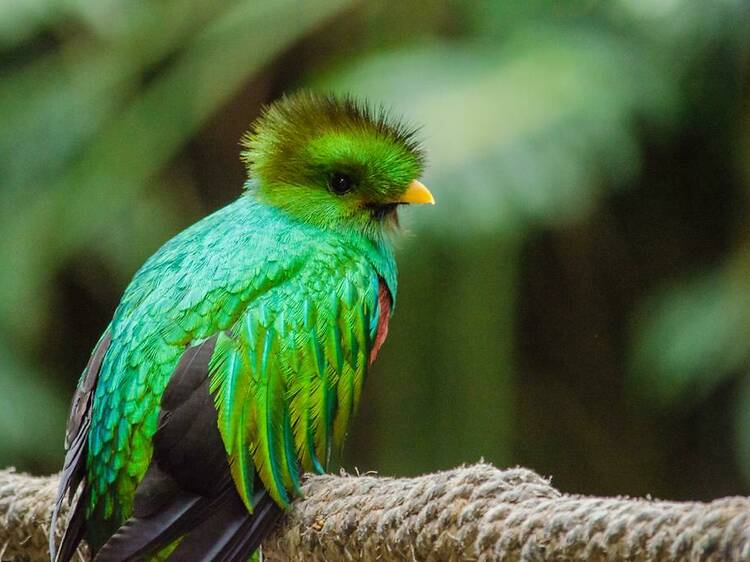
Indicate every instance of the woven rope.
{"type": "Point", "coordinates": [470, 513]}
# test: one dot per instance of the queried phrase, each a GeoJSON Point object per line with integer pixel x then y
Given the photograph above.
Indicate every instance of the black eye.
{"type": "Point", "coordinates": [340, 183]}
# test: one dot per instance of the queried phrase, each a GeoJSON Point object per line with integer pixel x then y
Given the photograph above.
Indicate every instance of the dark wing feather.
{"type": "Point", "coordinates": [204, 542]}
{"type": "Point", "coordinates": [188, 490]}
{"type": "Point", "coordinates": [138, 537]}
{"type": "Point", "coordinates": [73, 534]}
{"type": "Point", "coordinates": [230, 534]}
{"type": "Point", "coordinates": [76, 445]}
{"type": "Point", "coordinates": [242, 543]}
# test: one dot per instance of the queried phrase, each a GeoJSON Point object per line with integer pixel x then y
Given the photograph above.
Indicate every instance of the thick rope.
{"type": "Point", "coordinates": [470, 513]}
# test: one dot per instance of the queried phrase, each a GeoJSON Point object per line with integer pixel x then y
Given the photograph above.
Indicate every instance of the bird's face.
{"type": "Point", "coordinates": [334, 163]}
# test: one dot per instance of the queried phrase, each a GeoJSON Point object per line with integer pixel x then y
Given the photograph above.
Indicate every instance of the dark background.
{"type": "Point", "coordinates": [578, 302]}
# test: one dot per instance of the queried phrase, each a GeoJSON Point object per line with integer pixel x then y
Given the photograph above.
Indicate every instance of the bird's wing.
{"type": "Point", "coordinates": [188, 492]}
{"type": "Point", "coordinates": [74, 469]}
{"type": "Point", "coordinates": [242, 414]}
{"type": "Point", "coordinates": [287, 379]}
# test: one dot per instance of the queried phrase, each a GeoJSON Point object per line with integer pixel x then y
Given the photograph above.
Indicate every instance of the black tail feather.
{"type": "Point", "coordinates": [139, 537]}
{"type": "Point", "coordinates": [204, 542]}
{"type": "Point", "coordinates": [232, 534]}
{"type": "Point", "coordinates": [219, 529]}
{"type": "Point", "coordinates": [76, 446]}
{"type": "Point", "coordinates": [254, 529]}
{"type": "Point", "coordinates": [73, 534]}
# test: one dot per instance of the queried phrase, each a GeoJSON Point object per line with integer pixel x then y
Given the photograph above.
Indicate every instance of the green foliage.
{"type": "Point", "coordinates": [26, 397]}
{"type": "Point", "coordinates": [132, 141]}
{"type": "Point", "coordinates": [692, 336]}
{"type": "Point", "coordinates": [528, 134]}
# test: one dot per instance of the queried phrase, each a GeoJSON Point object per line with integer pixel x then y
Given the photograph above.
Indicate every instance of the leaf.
{"type": "Point", "coordinates": [32, 416]}
{"type": "Point", "coordinates": [689, 337]}
{"type": "Point", "coordinates": [527, 133]}
{"type": "Point", "coordinates": [115, 166]}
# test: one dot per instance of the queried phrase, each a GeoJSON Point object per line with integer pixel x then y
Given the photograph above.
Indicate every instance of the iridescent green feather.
{"type": "Point", "coordinates": [303, 389]}
{"type": "Point", "coordinates": [231, 385]}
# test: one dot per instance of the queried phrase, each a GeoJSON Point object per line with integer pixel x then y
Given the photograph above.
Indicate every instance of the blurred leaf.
{"type": "Point", "coordinates": [32, 416]}
{"type": "Point", "coordinates": [137, 143]}
{"type": "Point", "coordinates": [690, 337]}
{"type": "Point", "coordinates": [20, 18]}
{"type": "Point", "coordinates": [142, 225]}
{"type": "Point", "coordinates": [683, 31]}
{"type": "Point", "coordinates": [56, 104]}
{"type": "Point", "coordinates": [528, 132]}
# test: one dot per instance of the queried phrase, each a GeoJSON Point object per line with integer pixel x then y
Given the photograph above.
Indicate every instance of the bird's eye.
{"type": "Point", "coordinates": [340, 183]}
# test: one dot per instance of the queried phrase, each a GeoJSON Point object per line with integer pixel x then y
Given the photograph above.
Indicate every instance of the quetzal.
{"type": "Point", "coordinates": [237, 355]}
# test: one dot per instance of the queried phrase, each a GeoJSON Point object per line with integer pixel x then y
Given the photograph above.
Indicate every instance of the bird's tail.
{"type": "Point", "coordinates": [195, 529]}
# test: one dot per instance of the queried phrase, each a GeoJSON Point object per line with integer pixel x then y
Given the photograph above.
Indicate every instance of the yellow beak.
{"type": "Point", "coordinates": [417, 194]}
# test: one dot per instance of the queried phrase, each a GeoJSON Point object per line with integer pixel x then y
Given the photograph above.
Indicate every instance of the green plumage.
{"type": "Point", "coordinates": [276, 371]}
{"type": "Point", "coordinates": [289, 278]}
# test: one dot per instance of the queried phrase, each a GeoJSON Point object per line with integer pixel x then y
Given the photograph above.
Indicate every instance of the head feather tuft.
{"type": "Point", "coordinates": [295, 120]}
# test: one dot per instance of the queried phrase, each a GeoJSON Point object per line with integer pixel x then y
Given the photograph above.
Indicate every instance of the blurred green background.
{"type": "Point", "coordinates": [578, 302]}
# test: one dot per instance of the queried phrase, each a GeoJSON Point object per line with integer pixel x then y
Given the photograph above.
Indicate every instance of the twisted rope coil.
{"type": "Point", "coordinates": [470, 513]}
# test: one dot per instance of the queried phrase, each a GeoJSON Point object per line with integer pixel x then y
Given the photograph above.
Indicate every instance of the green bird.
{"type": "Point", "coordinates": [236, 358]}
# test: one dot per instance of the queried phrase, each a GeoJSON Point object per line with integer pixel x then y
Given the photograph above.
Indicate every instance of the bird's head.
{"type": "Point", "coordinates": [334, 162]}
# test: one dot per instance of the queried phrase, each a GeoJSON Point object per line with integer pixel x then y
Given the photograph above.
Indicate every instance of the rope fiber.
{"type": "Point", "coordinates": [470, 513]}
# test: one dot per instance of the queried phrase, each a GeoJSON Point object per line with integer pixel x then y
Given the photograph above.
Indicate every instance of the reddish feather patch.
{"type": "Point", "coordinates": [384, 305]}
